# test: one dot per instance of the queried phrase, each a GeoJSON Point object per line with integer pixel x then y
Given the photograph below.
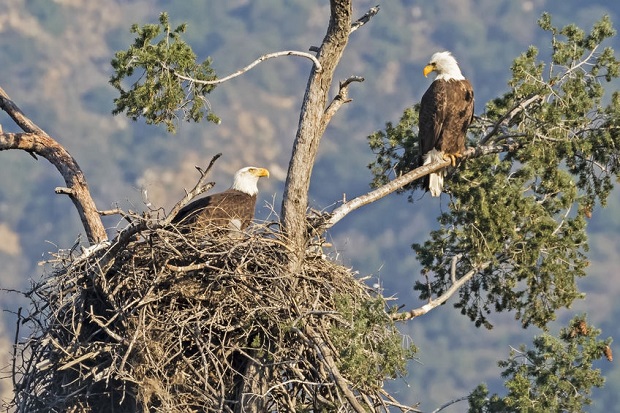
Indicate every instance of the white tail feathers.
{"type": "Point", "coordinates": [435, 179]}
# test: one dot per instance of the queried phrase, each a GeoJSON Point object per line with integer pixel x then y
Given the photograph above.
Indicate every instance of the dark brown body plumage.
{"type": "Point", "coordinates": [446, 111]}
{"type": "Point", "coordinates": [231, 209]}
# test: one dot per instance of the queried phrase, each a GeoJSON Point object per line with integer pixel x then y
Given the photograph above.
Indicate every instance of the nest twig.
{"type": "Point", "coordinates": [172, 323]}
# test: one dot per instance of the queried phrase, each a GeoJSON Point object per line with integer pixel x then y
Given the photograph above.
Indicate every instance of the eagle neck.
{"type": "Point", "coordinates": [247, 187]}
{"type": "Point", "coordinates": [450, 77]}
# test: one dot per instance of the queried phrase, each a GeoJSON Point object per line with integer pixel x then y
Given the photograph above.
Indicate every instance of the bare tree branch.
{"type": "Point", "coordinates": [505, 120]}
{"type": "Point", "coordinates": [107, 212]}
{"type": "Point", "coordinates": [365, 18]}
{"type": "Point", "coordinates": [450, 403]}
{"type": "Point", "coordinates": [317, 67]}
{"type": "Point", "coordinates": [391, 401]}
{"type": "Point", "coordinates": [36, 141]}
{"type": "Point", "coordinates": [433, 303]}
{"type": "Point", "coordinates": [325, 354]}
{"type": "Point", "coordinates": [397, 183]}
{"type": "Point", "coordinates": [341, 98]}
{"type": "Point", "coordinates": [198, 189]}
{"type": "Point", "coordinates": [455, 261]}
{"type": "Point", "coordinates": [357, 24]}
{"type": "Point", "coordinates": [382, 191]}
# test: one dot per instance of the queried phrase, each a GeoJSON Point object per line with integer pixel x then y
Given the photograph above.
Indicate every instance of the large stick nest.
{"type": "Point", "coordinates": [160, 321]}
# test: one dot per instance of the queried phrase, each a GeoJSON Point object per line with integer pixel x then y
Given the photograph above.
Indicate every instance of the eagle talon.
{"type": "Point", "coordinates": [452, 157]}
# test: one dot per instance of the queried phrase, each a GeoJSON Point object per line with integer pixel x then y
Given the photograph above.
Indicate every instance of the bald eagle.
{"type": "Point", "coordinates": [446, 110]}
{"type": "Point", "coordinates": [232, 209]}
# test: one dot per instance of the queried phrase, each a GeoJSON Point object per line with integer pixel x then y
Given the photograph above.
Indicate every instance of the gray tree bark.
{"type": "Point", "coordinates": [312, 122]}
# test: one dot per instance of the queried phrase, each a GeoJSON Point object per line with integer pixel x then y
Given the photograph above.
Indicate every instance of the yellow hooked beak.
{"type": "Point", "coordinates": [428, 69]}
{"type": "Point", "coordinates": [260, 172]}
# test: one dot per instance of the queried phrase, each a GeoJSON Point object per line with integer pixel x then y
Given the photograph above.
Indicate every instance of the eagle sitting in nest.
{"type": "Point", "coordinates": [232, 209]}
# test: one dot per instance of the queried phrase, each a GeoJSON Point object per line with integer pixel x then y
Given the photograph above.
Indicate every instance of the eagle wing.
{"type": "Point", "coordinates": [230, 209]}
{"type": "Point", "coordinates": [432, 117]}
{"type": "Point", "coordinates": [460, 113]}
{"type": "Point", "coordinates": [446, 111]}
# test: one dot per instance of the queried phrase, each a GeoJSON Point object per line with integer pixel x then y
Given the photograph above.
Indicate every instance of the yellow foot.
{"type": "Point", "coordinates": [452, 157]}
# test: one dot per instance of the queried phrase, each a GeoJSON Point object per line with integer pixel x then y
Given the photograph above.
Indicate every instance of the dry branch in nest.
{"type": "Point", "coordinates": [161, 321]}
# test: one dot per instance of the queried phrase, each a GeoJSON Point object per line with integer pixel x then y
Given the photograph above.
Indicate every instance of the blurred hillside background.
{"type": "Point", "coordinates": [55, 64]}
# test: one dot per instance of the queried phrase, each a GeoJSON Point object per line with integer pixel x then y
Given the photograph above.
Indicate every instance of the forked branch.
{"type": "Point", "coordinates": [508, 116]}
{"type": "Point", "coordinates": [200, 187]}
{"type": "Point", "coordinates": [433, 303]}
{"type": "Point", "coordinates": [36, 141]}
{"type": "Point", "coordinates": [341, 98]}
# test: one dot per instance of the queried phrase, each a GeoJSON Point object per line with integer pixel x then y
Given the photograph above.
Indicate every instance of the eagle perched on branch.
{"type": "Point", "coordinates": [446, 110]}
{"type": "Point", "coordinates": [232, 209]}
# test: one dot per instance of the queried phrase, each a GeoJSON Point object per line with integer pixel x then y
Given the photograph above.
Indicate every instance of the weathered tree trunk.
{"type": "Point", "coordinates": [36, 141]}
{"type": "Point", "coordinates": [310, 130]}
